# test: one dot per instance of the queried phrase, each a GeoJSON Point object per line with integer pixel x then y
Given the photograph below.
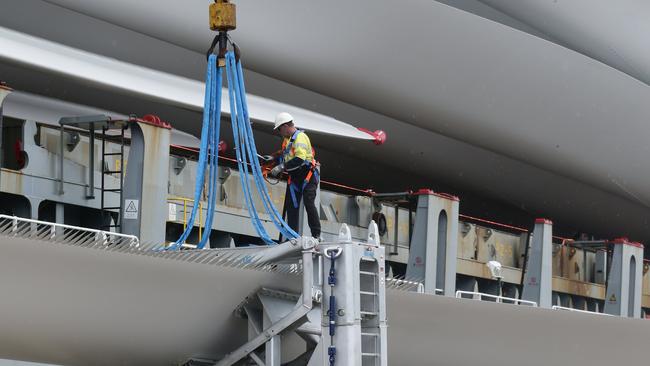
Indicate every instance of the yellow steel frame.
{"type": "Point", "coordinates": [184, 200]}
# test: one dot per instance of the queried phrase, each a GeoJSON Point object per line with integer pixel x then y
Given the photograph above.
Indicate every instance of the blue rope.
{"type": "Point", "coordinates": [244, 121]}
{"type": "Point", "coordinates": [241, 155]}
{"type": "Point", "coordinates": [203, 151]}
{"type": "Point", "coordinates": [245, 150]}
{"type": "Point", "coordinates": [215, 112]}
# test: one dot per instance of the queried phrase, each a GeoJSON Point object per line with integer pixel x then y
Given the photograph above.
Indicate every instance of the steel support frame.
{"type": "Point", "coordinates": [624, 282]}
{"type": "Point", "coordinates": [360, 331]}
{"type": "Point", "coordinates": [4, 92]}
{"type": "Point", "coordinates": [77, 121]}
{"type": "Point", "coordinates": [538, 279]}
{"type": "Point", "coordinates": [300, 310]}
{"type": "Point", "coordinates": [270, 313]}
{"type": "Point", "coordinates": [434, 243]}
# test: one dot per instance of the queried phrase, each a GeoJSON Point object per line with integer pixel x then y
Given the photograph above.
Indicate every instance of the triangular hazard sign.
{"type": "Point", "coordinates": [612, 298]}
{"type": "Point", "coordinates": [131, 207]}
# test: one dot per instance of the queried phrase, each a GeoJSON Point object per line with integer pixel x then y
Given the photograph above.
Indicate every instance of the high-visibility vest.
{"type": "Point", "coordinates": [297, 146]}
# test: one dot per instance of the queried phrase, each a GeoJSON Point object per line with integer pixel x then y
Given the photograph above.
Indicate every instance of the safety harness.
{"type": "Point", "coordinates": [295, 187]}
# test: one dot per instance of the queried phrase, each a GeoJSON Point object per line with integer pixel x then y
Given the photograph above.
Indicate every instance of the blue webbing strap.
{"type": "Point", "coordinates": [215, 112]}
{"type": "Point", "coordinates": [290, 145]}
{"type": "Point", "coordinates": [245, 124]}
{"type": "Point", "coordinates": [241, 155]}
{"type": "Point", "coordinates": [293, 186]}
{"type": "Point", "coordinates": [245, 149]}
{"type": "Point", "coordinates": [203, 151]}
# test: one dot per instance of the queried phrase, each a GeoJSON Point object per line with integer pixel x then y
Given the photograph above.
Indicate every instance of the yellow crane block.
{"type": "Point", "coordinates": [223, 16]}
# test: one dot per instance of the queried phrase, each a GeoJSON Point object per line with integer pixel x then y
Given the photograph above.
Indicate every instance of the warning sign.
{"type": "Point", "coordinates": [131, 209]}
{"type": "Point", "coordinates": [172, 212]}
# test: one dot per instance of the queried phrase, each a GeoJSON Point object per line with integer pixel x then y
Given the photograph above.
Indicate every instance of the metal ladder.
{"type": "Point", "coordinates": [369, 310]}
{"type": "Point", "coordinates": [107, 171]}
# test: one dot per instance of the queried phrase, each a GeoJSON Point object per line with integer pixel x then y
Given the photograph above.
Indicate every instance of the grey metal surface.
{"type": "Point", "coordinates": [539, 269]}
{"type": "Point", "coordinates": [624, 283]}
{"type": "Point", "coordinates": [461, 332]}
{"type": "Point", "coordinates": [273, 329]}
{"type": "Point", "coordinates": [81, 306]}
{"type": "Point", "coordinates": [434, 244]}
{"type": "Point", "coordinates": [48, 111]}
{"type": "Point", "coordinates": [4, 92]}
{"type": "Point", "coordinates": [146, 185]}
{"type": "Point", "coordinates": [360, 296]}
{"type": "Point", "coordinates": [600, 29]}
{"type": "Point", "coordinates": [134, 188]}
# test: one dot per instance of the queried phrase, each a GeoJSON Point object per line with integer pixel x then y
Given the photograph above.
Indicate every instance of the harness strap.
{"type": "Point", "coordinates": [289, 146]}
{"type": "Point", "coordinates": [293, 186]}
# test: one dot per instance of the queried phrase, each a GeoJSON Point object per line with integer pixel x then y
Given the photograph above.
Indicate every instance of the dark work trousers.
{"type": "Point", "coordinates": [309, 196]}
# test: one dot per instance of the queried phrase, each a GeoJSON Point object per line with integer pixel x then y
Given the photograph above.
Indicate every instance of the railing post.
{"type": "Point", "coordinates": [184, 214]}
{"type": "Point", "coordinates": [100, 238]}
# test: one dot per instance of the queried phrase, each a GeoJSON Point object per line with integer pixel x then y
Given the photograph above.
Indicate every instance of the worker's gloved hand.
{"type": "Point", "coordinates": [277, 171]}
{"type": "Point", "coordinates": [266, 158]}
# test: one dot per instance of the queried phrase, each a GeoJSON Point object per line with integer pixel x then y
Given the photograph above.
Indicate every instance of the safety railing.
{"type": "Point", "coordinates": [44, 230]}
{"type": "Point", "coordinates": [185, 201]}
{"type": "Point", "coordinates": [404, 285]}
{"type": "Point", "coordinates": [564, 308]}
{"type": "Point", "coordinates": [500, 299]}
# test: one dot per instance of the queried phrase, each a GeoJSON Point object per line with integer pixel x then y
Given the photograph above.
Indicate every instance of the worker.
{"type": "Point", "coordinates": [297, 158]}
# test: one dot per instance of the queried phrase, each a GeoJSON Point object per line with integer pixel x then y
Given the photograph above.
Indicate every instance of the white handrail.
{"type": "Point", "coordinates": [557, 307]}
{"type": "Point", "coordinates": [400, 284]}
{"type": "Point", "coordinates": [499, 299]}
{"type": "Point", "coordinates": [53, 226]}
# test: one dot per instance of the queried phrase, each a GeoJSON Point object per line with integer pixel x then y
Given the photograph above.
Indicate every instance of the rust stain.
{"type": "Point", "coordinates": [12, 181]}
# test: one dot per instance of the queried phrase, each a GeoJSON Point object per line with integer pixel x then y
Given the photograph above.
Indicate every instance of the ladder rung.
{"type": "Point", "coordinates": [112, 154]}
{"type": "Point", "coordinates": [112, 172]}
{"type": "Point", "coordinates": [112, 208]}
{"type": "Point", "coordinates": [369, 335]}
{"type": "Point", "coordinates": [367, 273]}
{"type": "Point", "coordinates": [369, 354]}
{"type": "Point", "coordinates": [368, 313]}
{"type": "Point", "coordinates": [112, 189]}
{"type": "Point", "coordinates": [369, 293]}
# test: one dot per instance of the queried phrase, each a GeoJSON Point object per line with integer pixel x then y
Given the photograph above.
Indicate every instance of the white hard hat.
{"type": "Point", "coordinates": [281, 119]}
